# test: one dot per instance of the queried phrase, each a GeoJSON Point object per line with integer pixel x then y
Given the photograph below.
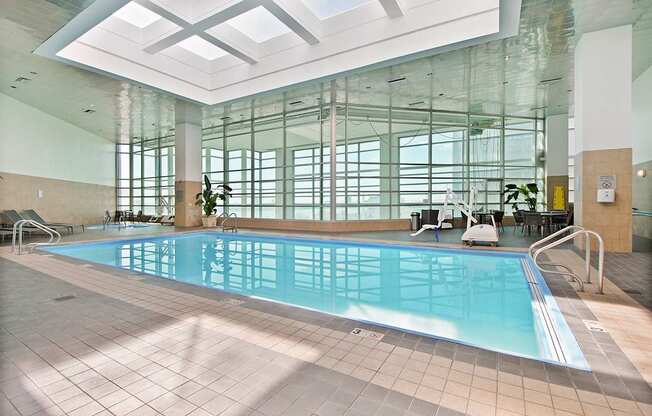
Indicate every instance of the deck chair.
{"type": "Point", "coordinates": [30, 214]}
{"type": "Point", "coordinates": [10, 217]}
{"type": "Point", "coordinates": [167, 220]}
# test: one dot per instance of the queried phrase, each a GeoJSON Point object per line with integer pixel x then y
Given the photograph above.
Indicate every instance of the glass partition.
{"type": "Point", "coordinates": [275, 153]}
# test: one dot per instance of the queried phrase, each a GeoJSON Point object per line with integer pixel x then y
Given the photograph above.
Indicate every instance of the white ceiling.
{"type": "Point", "coordinates": [215, 51]}
{"type": "Point", "coordinates": [476, 78]}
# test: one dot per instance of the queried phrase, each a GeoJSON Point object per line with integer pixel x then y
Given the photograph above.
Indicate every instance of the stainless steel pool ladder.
{"type": "Point", "coordinates": [575, 231]}
{"type": "Point", "coordinates": [55, 237]}
{"type": "Point", "coordinates": [224, 221]}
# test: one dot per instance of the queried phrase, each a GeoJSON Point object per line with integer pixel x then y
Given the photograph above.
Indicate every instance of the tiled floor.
{"type": "Point", "coordinates": [84, 340]}
{"type": "Point", "coordinates": [632, 273]}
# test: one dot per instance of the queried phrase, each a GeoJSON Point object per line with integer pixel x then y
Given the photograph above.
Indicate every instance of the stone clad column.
{"type": "Point", "coordinates": [187, 163]}
{"type": "Point", "coordinates": [557, 161]}
{"type": "Point", "coordinates": [603, 129]}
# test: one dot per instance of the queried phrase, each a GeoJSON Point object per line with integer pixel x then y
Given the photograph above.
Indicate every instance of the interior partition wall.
{"type": "Point", "coordinates": [388, 161]}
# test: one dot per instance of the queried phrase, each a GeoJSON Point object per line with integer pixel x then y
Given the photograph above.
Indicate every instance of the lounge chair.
{"type": "Point", "coordinates": [167, 220]}
{"type": "Point", "coordinates": [11, 217]}
{"type": "Point", "coordinates": [33, 215]}
{"type": "Point", "coordinates": [14, 217]}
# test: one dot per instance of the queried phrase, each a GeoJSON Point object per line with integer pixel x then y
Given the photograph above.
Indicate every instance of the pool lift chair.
{"type": "Point", "coordinates": [486, 233]}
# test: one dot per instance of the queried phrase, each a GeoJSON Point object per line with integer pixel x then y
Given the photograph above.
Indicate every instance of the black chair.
{"type": "Point", "coordinates": [533, 219]}
{"type": "Point", "coordinates": [518, 219]}
{"type": "Point", "coordinates": [558, 222]}
{"type": "Point", "coordinates": [498, 219]}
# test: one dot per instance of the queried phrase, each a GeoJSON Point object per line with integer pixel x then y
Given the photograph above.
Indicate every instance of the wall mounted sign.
{"type": "Point", "coordinates": [559, 197]}
{"type": "Point", "coordinates": [607, 182]}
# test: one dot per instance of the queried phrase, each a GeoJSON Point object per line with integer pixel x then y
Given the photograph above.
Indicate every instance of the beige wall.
{"type": "Point", "coordinates": [62, 201]}
{"type": "Point", "coordinates": [613, 221]}
{"type": "Point", "coordinates": [186, 212]}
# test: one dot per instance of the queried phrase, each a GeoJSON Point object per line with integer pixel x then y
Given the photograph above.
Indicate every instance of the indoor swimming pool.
{"type": "Point", "coordinates": [489, 299]}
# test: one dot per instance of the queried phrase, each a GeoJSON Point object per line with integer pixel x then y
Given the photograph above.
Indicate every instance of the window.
{"type": "Point", "coordinates": [389, 161]}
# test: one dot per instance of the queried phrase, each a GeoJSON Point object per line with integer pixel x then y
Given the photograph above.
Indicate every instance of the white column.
{"type": "Point", "coordinates": [603, 132]}
{"type": "Point", "coordinates": [187, 163]}
{"type": "Point", "coordinates": [557, 161]}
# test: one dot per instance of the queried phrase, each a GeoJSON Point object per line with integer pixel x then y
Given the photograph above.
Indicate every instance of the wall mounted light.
{"type": "Point", "coordinates": [641, 173]}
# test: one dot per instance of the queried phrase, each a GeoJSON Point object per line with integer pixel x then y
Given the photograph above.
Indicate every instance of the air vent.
{"type": "Point", "coordinates": [391, 81]}
{"type": "Point", "coordinates": [296, 102]}
{"type": "Point", "coordinates": [416, 103]}
{"type": "Point", "coordinates": [550, 80]}
{"type": "Point", "coordinates": [88, 111]}
{"type": "Point", "coordinates": [62, 298]}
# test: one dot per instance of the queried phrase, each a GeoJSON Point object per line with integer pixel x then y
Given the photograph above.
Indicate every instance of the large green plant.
{"type": "Point", "coordinates": [207, 199]}
{"type": "Point", "coordinates": [528, 191]}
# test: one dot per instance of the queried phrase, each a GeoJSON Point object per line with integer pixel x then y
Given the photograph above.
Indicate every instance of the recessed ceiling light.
{"type": "Point", "coordinates": [135, 14]}
{"type": "Point", "coordinates": [259, 25]}
{"type": "Point", "coordinates": [201, 47]}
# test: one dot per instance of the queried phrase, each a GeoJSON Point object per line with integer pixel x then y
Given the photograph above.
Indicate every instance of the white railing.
{"type": "Point", "coordinates": [55, 237]}
{"type": "Point", "coordinates": [223, 218]}
{"type": "Point", "coordinates": [576, 231]}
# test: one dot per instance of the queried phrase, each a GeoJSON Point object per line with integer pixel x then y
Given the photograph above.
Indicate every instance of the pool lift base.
{"type": "Point", "coordinates": [487, 233]}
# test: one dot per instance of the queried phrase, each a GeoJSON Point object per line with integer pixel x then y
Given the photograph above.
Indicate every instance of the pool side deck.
{"type": "Point", "coordinates": [87, 339]}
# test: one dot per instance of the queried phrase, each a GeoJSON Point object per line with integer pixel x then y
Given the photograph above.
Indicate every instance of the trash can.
{"type": "Point", "coordinates": [415, 221]}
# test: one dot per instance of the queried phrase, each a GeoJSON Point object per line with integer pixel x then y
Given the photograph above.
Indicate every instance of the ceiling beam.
{"type": "Point", "coordinates": [295, 15]}
{"type": "Point", "coordinates": [244, 52]}
{"type": "Point", "coordinates": [392, 8]}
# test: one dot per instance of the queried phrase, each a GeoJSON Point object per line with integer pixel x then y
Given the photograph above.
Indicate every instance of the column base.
{"type": "Point", "coordinates": [186, 213]}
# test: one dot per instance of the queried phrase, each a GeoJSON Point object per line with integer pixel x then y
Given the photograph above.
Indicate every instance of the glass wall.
{"type": "Point", "coordinates": [389, 160]}
{"type": "Point", "coordinates": [145, 179]}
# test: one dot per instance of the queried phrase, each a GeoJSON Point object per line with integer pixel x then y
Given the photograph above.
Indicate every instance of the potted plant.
{"type": "Point", "coordinates": [207, 199]}
{"type": "Point", "coordinates": [528, 191]}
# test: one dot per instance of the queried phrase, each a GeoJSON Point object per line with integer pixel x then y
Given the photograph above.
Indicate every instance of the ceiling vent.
{"type": "Point", "coordinates": [88, 111]}
{"type": "Point", "coordinates": [550, 80]}
{"type": "Point", "coordinates": [392, 81]}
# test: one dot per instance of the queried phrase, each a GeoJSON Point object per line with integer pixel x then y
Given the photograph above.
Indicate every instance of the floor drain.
{"type": "Point", "coordinates": [594, 326]}
{"type": "Point", "coordinates": [62, 298]}
{"type": "Point", "coordinates": [367, 334]}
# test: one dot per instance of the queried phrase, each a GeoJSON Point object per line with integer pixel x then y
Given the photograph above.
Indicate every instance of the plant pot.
{"type": "Point", "coordinates": [210, 221]}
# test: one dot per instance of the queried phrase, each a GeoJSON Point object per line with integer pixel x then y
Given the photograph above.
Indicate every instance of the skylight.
{"type": "Point", "coordinates": [137, 15]}
{"type": "Point", "coordinates": [259, 25]}
{"type": "Point", "coordinates": [324, 9]}
{"type": "Point", "coordinates": [202, 48]}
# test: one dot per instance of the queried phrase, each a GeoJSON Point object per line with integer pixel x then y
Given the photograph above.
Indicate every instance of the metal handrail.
{"type": "Point", "coordinates": [581, 231]}
{"type": "Point", "coordinates": [225, 217]}
{"type": "Point", "coordinates": [18, 229]}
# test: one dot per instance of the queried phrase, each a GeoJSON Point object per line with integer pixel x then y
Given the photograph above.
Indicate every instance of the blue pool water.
{"type": "Point", "coordinates": [477, 298]}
